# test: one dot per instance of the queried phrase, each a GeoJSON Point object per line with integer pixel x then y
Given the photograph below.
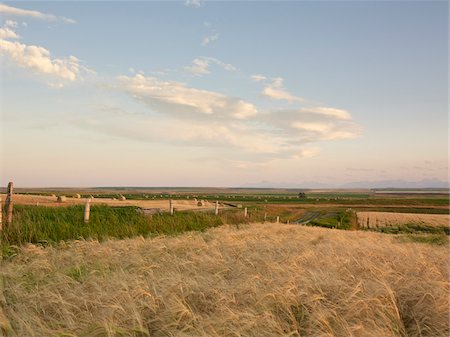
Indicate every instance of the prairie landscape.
{"type": "Point", "coordinates": [234, 273]}
{"type": "Point", "coordinates": [194, 168]}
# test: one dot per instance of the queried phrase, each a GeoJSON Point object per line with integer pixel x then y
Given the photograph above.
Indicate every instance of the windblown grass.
{"type": "Point", "coordinates": [259, 280]}
{"type": "Point", "coordinates": [39, 224]}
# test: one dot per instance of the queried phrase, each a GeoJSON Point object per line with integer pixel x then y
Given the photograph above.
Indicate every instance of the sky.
{"type": "Point", "coordinates": [223, 93]}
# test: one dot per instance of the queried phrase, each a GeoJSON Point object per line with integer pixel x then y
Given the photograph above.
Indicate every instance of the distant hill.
{"type": "Point", "coordinates": [426, 183]}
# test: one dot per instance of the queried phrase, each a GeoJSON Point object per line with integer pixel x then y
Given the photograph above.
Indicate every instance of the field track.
{"type": "Point", "coordinates": [23, 199]}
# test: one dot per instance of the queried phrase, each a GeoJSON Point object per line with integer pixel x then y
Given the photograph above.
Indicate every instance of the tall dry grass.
{"type": "Point", "coordinates": [258, 280]}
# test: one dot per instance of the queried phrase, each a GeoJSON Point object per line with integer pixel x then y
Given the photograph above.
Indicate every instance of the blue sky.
{"type": "Point", "coordinates": [215, 93]}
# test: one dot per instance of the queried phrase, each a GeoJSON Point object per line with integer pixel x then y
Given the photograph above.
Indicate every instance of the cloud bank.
{"type": "Point", "coordinates": [181, 115]}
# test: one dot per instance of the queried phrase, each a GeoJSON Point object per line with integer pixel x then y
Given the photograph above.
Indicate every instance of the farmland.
{"type": "Point", "coordinates": [137, 270]}
{"type": "Point", "coordinates": [256, 280]}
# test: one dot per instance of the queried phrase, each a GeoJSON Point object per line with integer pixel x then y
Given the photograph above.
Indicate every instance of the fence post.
{"type": "Point", "coordinates": [265, 217]}
{"type": "Point", "coordinates": [9, 204]}
{"type": "Point", "coordinates": [278, 219]}
{"type": "Point", "coordinates": [245, 212]}
{"type": "Point", "coordinates": [87, 210]}
{"type": "Point", "coordinates": [216, 210]}
{"type": "Point", "coordinates": [1, 209]}
{"type": "Point", "coordinates": [288, 222]}
{"type": "Point", "coordinates": [171, 207]}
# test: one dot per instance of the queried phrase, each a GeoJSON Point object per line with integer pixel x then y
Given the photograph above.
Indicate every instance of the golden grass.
{"type": "Point", "coordinates": [382, 219]}
{"type": "Point", "coordinates": [258, 280]}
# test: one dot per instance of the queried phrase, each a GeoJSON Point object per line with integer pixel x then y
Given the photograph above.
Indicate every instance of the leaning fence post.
{"type": "Point", "coordinates": [216, 210]}
{"type": "Point", "coordinates": [9, 204]}
{"type": "Point", "coordinates": [245, 212]}
{"type": "Point", "coordinates": [87, 210]}
{"type": "Point", "coordinates": [171, 207]}
{"type": "Point", "coordinates": [278, 219]}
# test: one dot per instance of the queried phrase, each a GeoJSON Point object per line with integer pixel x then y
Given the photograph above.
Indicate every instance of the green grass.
{"type": "Point", "coordinates": [413, 228]}
{"type": "Point", "coordinates": [340, 220]}
{"type": "Point", "coordinates": [432, 239]}
{"type": "Point", "coordinates": [47, 225]}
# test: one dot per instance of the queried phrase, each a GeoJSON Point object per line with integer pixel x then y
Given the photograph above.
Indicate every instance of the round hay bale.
{"type": "Point", "coordinates": [61, 198]}
{"type": "Point", "coordinates": [200, 203]}
{"type": "Point", "coordinates": [77, 196]}
{"type": "Point", "coordinates": [122, 198]}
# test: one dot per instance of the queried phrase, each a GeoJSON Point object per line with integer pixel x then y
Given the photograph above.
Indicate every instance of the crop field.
{"type": "Point", "coordinates": [256, 280]}
{"type": "Point", "coordinates": [383, 219]}
{"type": "Point", "coordinates": [137, 270]}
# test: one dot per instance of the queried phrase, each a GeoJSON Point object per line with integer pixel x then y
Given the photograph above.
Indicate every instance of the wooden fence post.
{"type": "Point", "coordinates": [278, 219]}
{"type": "Point", "coordinates": [245, 212]}
{"type": "Point", "coordinates": [1, 209]}
{"type": "Point", "coordinates": [216, 210]}
{"type": "Point", "coordinates": [9, 204]}
{"type": "Point", "coordinates": [171, 207]}
{"type": "Point", "coordinates": [87, 210]}
{"type": "Point", "coordinates": [265, 217]}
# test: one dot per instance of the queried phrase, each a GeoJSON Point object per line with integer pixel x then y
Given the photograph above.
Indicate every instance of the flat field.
{"type": "Point", "coordinates": [255, 280]}
{"type": "Point", "coordinates": [383, 219]}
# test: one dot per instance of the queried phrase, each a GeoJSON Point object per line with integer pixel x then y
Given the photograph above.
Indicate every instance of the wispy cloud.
{"type": "Point", "coordinates": [276, 91]}
{"type": "Point", "coordinates": [258, 78]}
{"type": "Point", "coordinates": [209, 39]}
{"type": "Point", "coordinates": [194, 3]}
{"type": "Point", "coordinates": [201, 65]}
{"type": "Point", "coordinates": [6, 10]}
{"type": "Point", "coordinates": [172, 97]}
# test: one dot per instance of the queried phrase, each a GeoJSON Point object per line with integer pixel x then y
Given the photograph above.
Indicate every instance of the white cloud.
{"type": "Point", "coordinates": [200, 66]}
{"type": "Point", "coordinates": [306, 125]}
{"type": "Point", "coordinates": [177, 98]}
{"type": "Point", "coordinates": [186, 116]}
{"type": "Point", "coordinates": [6, 10]}
{"type": "Point", "coordinates": [194, 3]}
{"type": "Point", "coordinates": [208, 39]}
{"type": "Point", "coordinates": [332, 112]}
{"type": "Point", "coordinates": [276, 91]}
{"type": "Point", "coordinates": [7, 33]}
{"type": "Point", "coordinates": [258, 78]}
{"type": "Point", "coordinates": [11, 23]}
{"type": "Point", "coordinates": [40, 61]}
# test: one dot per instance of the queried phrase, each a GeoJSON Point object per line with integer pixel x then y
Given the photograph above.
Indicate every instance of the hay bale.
{"type": "Point", "coordinates": [200, 203]}
{"type": "Point", "coordinates": [122, 198]}
{"type": "Point", "coordinates": [77, 196]}
{"type": "Point", "coordinates": [61, 198]}
{"type": "Point", "coordinates": [239, 206]}
{"type": "Point", "coordinates": [53, 195]}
